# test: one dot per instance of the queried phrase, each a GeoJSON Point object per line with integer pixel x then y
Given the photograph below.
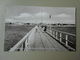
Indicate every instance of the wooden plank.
{"type": "Point", "coordinates": [38, 41]}
{"type": "Point", "coordinates": [46, 43]}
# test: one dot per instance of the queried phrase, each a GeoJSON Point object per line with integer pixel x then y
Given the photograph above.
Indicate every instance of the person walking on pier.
{"type": "Point", "coordinates": [45, 28]}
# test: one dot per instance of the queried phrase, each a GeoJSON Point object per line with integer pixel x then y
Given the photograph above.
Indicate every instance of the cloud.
{"type": "Point", "coordinates": [10, 20]}
{"type": "Point", "coordinates": [24, 15]}
{"type": "Point", "coordinates": [62, 15]}
{"type": "Point", "coordinates": [41, 14]}
{"type": "Point", "coordinates": [27, 15]}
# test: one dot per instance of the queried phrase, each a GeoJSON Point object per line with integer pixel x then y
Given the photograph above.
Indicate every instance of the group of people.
{"type": "Point", "coordinates": [44, 28]}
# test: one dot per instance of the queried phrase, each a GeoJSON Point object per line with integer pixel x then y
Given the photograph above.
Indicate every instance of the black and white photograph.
{"type": "Point", "coordinates": [38, 28]}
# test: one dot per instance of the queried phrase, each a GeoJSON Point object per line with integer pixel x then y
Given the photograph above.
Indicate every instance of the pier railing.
{"type": "Point", "coordinates": [22, 44]}
{"type": "Point", "coordinates": [67, 39]}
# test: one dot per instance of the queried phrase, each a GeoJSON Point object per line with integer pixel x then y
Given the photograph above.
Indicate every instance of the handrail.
{"type": "Point", "coordinates": [64, 32]}
{"type": "Point", "coordinates": [59, 37]}
{"type": "Point", "coordinates": [21, 41]}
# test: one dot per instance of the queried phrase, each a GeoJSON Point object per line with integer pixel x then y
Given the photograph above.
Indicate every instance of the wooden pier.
{"type": "Point", "coordinates": [38, 40]}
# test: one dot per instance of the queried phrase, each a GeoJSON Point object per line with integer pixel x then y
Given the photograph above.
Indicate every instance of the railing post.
{"type": "Point", "coordinates": [21, 48]}
{"type": "Point", "coordinates": [23, 45]}
{"type": "Point", "coordinates": [66, 40]}
{"type": "Point", "coordinates": [53, 33]}
{"type": "Point", "coordinates": [50, 31]}
{"type": "Point", "coordinates": [60, 37]}
{"type": "Point", "coordinates": [26, 44]}
{"type": "Point", "coordinates": [56, 35]}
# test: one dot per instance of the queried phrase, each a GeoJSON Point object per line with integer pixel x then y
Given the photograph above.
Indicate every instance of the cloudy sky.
{"type": "Point", "coordinates": [35, 14]}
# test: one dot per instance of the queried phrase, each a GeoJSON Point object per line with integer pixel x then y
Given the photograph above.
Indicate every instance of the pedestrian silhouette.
{"type": "Point", "coordinates": [45, 28]}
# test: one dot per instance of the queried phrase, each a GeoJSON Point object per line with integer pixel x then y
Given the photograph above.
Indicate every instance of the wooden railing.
{"type": "Point", "coordinates": [67, 39]}
{"type": "Point", "coordinates": [22, 44]}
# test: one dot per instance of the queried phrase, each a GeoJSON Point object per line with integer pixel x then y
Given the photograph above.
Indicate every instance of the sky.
{"type": "Point", "coordinates": [37, 14]}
